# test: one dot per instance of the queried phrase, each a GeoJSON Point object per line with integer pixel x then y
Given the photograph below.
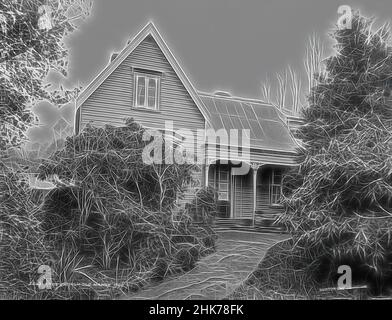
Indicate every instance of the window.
{"type": "Point", "coordinates": [222, 181]}
{"type": "Point", "coordinates": [275, 186]}
{"type": "Point", "coordinates": [147, 91]}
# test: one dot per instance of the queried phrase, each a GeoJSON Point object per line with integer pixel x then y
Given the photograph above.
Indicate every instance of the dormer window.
{"type": "Point", "coordinates": [147, 87]}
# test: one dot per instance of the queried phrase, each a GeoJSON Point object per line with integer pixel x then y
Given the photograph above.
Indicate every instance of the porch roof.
{"type": "Point", "coordinates": [267, 125]}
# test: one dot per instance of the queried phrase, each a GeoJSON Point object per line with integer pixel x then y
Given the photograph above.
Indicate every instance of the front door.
{"type": "Point", "coordinates": [242, 197]}
{"type": "Point", "coordinates": [222, 184]}
{"type": "Point", "coordinates": [237, 199]}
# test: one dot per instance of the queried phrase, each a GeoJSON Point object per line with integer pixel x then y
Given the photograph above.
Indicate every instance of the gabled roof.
{"type": "Point", "coordinates": [148, 30]}
{"type": "Point", "coordinates": [267, 125]}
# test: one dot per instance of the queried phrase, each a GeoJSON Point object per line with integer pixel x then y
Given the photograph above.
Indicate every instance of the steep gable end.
{"type": "Point", "coordinates": [111, 95]}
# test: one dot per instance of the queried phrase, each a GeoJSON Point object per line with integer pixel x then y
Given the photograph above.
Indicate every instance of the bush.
{"type": "Point", "coordinates": [203, 208]}
{"type": "Point", "coordinates": [22, 246]}
{"type": "Point", "coordinates": [339, 199]}
{"type": "Point", "coordinates": [279, 276]}
{"type": "Point", "coordinates": [116, 212]}
{"type": "Point", "coordinates": [283, 274]}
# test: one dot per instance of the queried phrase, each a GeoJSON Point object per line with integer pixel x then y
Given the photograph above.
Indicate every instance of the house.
{"type": "Point", "coordinates": [145, 81]}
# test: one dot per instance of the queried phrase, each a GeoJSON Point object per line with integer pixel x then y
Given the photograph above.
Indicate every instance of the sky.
{"type": "Point", "coordinates": [230, 45]}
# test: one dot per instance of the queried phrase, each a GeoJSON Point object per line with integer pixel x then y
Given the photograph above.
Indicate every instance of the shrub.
{"type": "Point", "coordinates": [22, 246]}
{"type": "Point", "coordinates": [279, 276]}
{"type": "Point", "coordinates": [339, 199]}
{"type": "Point", "coordinates": [116, 212]}
{"type": "Point", "coordinates": [203, 207]}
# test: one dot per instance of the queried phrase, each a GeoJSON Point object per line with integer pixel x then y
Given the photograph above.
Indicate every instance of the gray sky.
{"type": "Point", "coordinates": [221, 44]}
{"type": "Point", "coordinates": [231, 45]}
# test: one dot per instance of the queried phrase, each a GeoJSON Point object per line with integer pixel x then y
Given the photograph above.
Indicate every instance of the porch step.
{"type": "Point", "coordinates": [247, 225]}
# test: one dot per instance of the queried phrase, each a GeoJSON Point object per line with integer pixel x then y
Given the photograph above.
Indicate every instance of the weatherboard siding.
{"type": "Point", "coordinates": [113, 100]}
{"type": "Point", "coordinates": [264, 157]}
{"type": "Point", "coordinates": [273, 158]}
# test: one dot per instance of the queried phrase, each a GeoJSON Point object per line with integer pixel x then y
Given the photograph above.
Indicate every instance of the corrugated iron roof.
{"type": "Point", "coordinates": [267, 125]}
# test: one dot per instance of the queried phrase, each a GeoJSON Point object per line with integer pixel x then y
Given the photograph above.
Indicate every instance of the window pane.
{"type": "Point", "coordinates": [277, 177]}
{"type": "Point", "coordinates": [152, 88]}
{"type": "Point", "coordinates": [275, 194]}
{"type": "Point", "coordinates": [223, 184]}
{"type": "Point", "coordinates": [141, 91]}
{"type": "Point", "coordinates": [223, 187]}
{"type": "Point", "coordinates": [223, 196]}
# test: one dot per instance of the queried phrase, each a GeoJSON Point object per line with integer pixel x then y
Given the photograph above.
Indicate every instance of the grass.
{"type": "Point", "coordinates": [283, 275]}
{"type": "Point", "coordinates": [274, 278]}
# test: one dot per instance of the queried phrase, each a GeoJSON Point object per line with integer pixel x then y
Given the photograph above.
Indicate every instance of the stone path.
{"type": "Point", "coordinates": [217, 275]}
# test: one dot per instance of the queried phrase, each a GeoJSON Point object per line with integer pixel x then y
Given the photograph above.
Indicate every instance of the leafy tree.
{"type": "Point", "coordinates": [32, 34]}
{"type": "Point", "coordinates": [339, 200]}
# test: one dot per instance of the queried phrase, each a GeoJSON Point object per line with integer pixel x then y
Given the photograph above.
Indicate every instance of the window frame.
{"type": "Point", "coordinates": [219, 182]}
{"type": "Point", "coordinates": [147, 77]}
{"type": "Point", "coordinates": [274, 197]}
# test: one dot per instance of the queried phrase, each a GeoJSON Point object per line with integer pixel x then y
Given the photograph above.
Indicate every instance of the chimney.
{"type": "Point", "coordinates": [113, 56]}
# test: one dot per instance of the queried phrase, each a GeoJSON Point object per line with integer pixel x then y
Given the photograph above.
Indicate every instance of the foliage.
{"type": "Point", "coordinates": [115, 212]}
{"type": "Point", "coordinates": [283, 275]}
{"type": "Point", "coordinates": [203, 207]}
{"type": "Point", "coordinates": [339, 199]}
{"type": "Point", "coordinates": [279, 276]}
{"type": "Point", "coordinates": [111, 158]}
{"type": "Point", "coordinates": [32, 34]}
{"type": "Point", "coordinates": [22, 246]}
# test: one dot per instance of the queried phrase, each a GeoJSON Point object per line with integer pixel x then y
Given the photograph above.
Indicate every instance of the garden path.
{"type": "Point", "coordinates": [217, 275]}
